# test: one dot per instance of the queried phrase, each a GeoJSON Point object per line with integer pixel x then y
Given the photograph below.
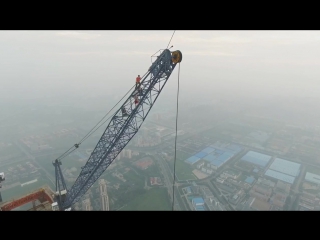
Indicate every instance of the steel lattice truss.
{"type": "Point", "coordinates": [121, 129]}
{"type": "Point", "coordinates": [60, 182]}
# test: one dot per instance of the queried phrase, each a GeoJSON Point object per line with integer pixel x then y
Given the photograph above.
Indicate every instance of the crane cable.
{"type": "Point", "coordinates": [75, 146]}
{"type": "Point", "coordinates": [171, 38]}
{"type": "Point", "coordinates": [175, 142]}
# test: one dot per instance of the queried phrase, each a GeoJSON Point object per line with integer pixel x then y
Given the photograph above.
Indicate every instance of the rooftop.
{"type": "Point", "coordinates": [286, 167]}
{"type": "Point", "coordinates": [260, 205]}
{"type": "Point", "coordinates": [256, 158]}
{"type": "Point", "coordinates": [313, 178]}
{"type": "Point", "coordinates": [201, 154]}
{"type": "Point", "coordinates": [280, 176]}
{"type": "Point", "coordinates": [199, 208]}
{"type": "Point", "coordinates": [192, 159]}
{"type": "Point", "coordinates": [208, 150]}
{"type": "Point", "coordinates": [198, 200]}
{"type": "Point", "coordinates": [249, 180]}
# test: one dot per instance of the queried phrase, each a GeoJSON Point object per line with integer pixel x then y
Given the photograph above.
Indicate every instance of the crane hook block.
{"type": "Point", "coordinates": [176, 56]}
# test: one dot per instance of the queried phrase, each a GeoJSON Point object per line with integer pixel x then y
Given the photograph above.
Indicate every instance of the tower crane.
{"type": "Point", "coordinates": [120, 130]}
{"type": "Point", "coordinates": [2, 178]}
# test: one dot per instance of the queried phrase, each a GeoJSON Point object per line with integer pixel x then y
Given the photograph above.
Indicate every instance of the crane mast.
{"type": "Point", "coordinates": [120, 129]}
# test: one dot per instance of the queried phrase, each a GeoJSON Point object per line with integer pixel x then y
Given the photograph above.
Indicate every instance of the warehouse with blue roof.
{"type": "Point", "coordinates": [208, 150]}
{"type": "Point", "coordinates": [279, 176]}
{"type": "Point", "coordinates": [283, 170]}
{"type": "Point", "coordinates": [256, 158]}
{"type": "Point", "coordinates": [286, 167]}
{"type": "Point", "coordinates": [201, 154]}
{"type": "Point", "coordinates": [192, 160]}
{"type": "Point", "coordinates": [216, 155]}
{"type": "Point", "coordinates": [198, 203]}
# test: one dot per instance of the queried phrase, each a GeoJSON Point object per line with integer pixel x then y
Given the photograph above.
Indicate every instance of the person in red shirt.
{"type": "Point", "coordinates": [136, 100]}
{"type": "Point", "coordinates": [138, 82]}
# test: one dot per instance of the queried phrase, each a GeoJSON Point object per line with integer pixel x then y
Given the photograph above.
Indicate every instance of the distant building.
{"type": "Point", "coordinates": [261, 192]}
{"type": "Point", "coordinates": [284, 170]}
{"type": "Point", "coordinates": [278, 199]}
{"type": "Point", "coordinates": [219, 180]}
{"type": "Point", "coordinates": [260, 205]}
{"type": "Point", "coordinates": [232, 174]}
{"type": "Point", "coordinates": [198, 203]}
{"type": "Point", "coordinates": [103, 195]}
{"type": "Point", "coordinates": [256, 158]}
{"type": "Point", "coordinates": [313, 178]}
{"type": "Point", "coordinates": [86, 205]}
{"type": "Point", "coordinates": [249, 180]}
{"type": "Point", "coordinates": [282, 187]}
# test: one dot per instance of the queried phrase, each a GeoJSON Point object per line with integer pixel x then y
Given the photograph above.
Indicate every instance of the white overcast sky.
{"type": "Point", "coordinates": [40, 63]}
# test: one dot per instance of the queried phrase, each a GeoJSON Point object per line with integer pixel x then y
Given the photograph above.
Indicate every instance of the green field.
{"type": "Point", "coordinates": [132, 177]}
{"type": "Point", "coordinates": [184, 171]}
{"type": "Point", "coordinates": [153, 199]}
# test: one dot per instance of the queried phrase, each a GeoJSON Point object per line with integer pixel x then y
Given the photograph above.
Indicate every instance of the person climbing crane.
{"type": "Point", "coordinates": [138, 83]}
{"type": "Point", "coordinates": [124, 112]}
{"type": "Point", "coordinates": [136, 99]}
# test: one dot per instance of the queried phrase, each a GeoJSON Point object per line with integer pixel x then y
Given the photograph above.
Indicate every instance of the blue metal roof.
{"type": "Point", "coordinates": [286, 167]}
{"type": "Point", "coordinates": [210, 157]}
{"type": "Point", "coordinates": [208, 150]}
{"type": "Point", "coordinates": [200, 208]}
{"type": "Point", "coordinates": [218, 151]}
{"type": "Point", "coordinates": [201, 154]}
{"type": "Point", "coordinates": [225, 156]}
{"type": "Point", "coordinates": [216, 163]}
{"type": "Point", "coordinates": [198, 200]}
{"type": "Point", "coordinates": [192, 159]}
{"type": "Point", "coordinates": [280, 176]}
{"type": "Point", "coordinates": [249, 180]}
{"type": "Point", "coordinates": [256, 158]}
{"type": "Point", "coordinates": [234, 148]}
{"type": "Point", "coordinates": [311, 177]}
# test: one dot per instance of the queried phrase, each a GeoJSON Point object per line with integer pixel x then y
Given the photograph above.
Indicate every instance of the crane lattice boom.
{"type": "Point", "coordinates": [121, 129]}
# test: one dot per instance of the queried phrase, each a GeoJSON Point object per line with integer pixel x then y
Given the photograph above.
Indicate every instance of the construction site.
{"type": "Point", "coordinates": [123, 124]}
{"type": "Point", "coordinates": [41, 199]}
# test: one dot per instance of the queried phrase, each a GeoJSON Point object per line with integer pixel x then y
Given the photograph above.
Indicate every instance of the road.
{"type": "Point", "coordinates": [33, 159]}
{"type": "Point", "coordinates": [168, 181]}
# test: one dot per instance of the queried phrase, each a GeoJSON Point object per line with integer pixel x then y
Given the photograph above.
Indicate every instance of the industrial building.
{"type": "Point", "coordinates": [198, 204]}
{"type": "Point", "coordinates": [249, 180]}
{"type": "Point", "coordinates": [260, 205]}
{"type": "Point", "coordinates": [192, 160]}
{"type": "Point", "coordinates": [279, 176]}
{"type": "Point", "coordinates": [215, 155]}
{"type": "Point", "coordinates": [313, 178]}
{"type": "Point", "coordinates": [103, 195]}
{"type": "Point", "coordinates": [286, 167]}
{"type": "Point", "coordinates": [256, 158]}
{"type": "Point", "coordinates": [283, 170]}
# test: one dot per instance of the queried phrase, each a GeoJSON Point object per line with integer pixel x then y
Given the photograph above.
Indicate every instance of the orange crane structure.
{"type": "Point", "coordinates": [43, 195]}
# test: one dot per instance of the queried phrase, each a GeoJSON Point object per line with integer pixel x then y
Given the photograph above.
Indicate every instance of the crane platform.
{"type": "Point", "coordinates": [43, 195]}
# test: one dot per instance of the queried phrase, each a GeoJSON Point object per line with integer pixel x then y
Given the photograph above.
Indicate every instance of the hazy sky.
{"type": "Point", "coordinates": [49, 63]}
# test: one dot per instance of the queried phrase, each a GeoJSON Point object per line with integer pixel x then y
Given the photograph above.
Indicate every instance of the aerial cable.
{"type": "Point", "coordinates": [91, 131]}
{"type": "Point", "coordinates": [171, 38]}
{"type": "Point", "coordinates": [175, 142]}
{"type": "Point", "coordinates": [75, 146]}
{"type": "Point", "coordinates": [89, 134]}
